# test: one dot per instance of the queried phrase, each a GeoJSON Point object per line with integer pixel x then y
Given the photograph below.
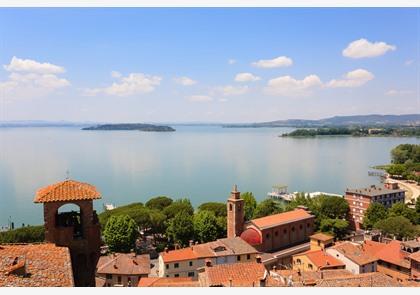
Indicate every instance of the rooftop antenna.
{"type": "Point", "coordinates": [67, 174]}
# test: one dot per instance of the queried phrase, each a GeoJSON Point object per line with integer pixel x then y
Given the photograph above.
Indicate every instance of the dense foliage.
{"type": "Point", "coordinates": [374, 213]}
{"type": "Point", "coordinates": [398, 227]}
{"type": "Point", "coordinates": [28, 234]}
{"type": "Point", "coordinates": [204, 226]}
{"type": "Point", "coordinates": [405, 162]}
{"type": "Point", "coordinates": [250, 204]}
{"type": "Point", "coordinates": [267, 207]}
{"type": "Point", "coordinates": [180, 228]}
{"type": "Point", "coordinates": [120, 233]}
{"type": "Point", "coordinates": [219, 209]}
{"type": "Point", "coordinates": [355, 131]}
{"type": "Point", "coordinates": [159, 203]}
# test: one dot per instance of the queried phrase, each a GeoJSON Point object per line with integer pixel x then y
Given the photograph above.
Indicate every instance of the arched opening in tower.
{"type": "Point", "coordinates": [69, 215]}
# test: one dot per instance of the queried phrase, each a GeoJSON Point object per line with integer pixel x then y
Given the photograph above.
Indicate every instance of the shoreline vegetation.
{"type": "Point", "coordinates": [131, 126]}
{"type": "Point", "coordinates": [355, 132]}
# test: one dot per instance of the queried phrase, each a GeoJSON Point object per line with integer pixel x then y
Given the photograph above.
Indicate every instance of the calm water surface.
{"type": "Point", "coordinates": [201, 163]}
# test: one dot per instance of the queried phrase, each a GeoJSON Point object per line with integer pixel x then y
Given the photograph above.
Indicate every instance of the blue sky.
{"type": "Point", "coordinates": [180, 65]}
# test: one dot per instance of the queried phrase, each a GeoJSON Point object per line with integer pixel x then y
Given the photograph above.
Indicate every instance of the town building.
{"type": "Point", "coordinates": [314, 260]}
{"type": "Point", "coordinates": [270, 233]}
{"type": "Point", "coordinates": [360, 199]}
{"type": "Point", "coordinates": [77, 230]}
{"type": "Point", "coordinates": [35, 265]}
{"type": "Point", "coordinates": [355, 258]}
{"type": "Point", "coordinates": [415, 266]}
{"type": "Point", "coordinates": [321, 241]}
{"type": "Point", "coordinates": [185, 262]}
{"type": "Point", "coordinates": [168, 282]}
{"type": "Point", "coordinates": [122, 269]}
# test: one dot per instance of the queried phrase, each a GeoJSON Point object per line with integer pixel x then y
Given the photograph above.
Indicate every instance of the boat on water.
{"type": "Point", "coordinates": [279, 193]}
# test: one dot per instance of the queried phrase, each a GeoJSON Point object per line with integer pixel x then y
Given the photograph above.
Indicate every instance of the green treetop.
{"type": "Point", "coordinates": [120, 233]}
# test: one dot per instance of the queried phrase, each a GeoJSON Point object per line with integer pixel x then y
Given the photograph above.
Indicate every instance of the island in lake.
{"type": "Point", "coordinates": [131, 126]}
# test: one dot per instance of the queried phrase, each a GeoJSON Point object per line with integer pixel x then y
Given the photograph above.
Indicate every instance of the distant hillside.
{"type": "Point", "coordinates": [131, 126]}
{"type": "Point", "coordinates": [362, 120]}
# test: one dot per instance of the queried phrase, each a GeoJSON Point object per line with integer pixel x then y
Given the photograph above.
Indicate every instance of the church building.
{"type": "Point", "coordinates": [270, 233]}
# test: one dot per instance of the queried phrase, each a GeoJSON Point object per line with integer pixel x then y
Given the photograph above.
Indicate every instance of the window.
{"type": "Point", "coordinates": [248, 256]}
{"type": "Point", "coordinates": [119, 279]}
{"type": "Point", "coordinates": [167, 266]}
{"type": "Point", "coordinates": [167, 276]}
{"type": "Point", "coordinates": [276, 233]}
{"type": "Point", "coordinates": [308, 225]}
{"type": "Point", "coordinates": [191, 263]}
{"type": "Point", "coordinates": [176, 275]}
{"type": "Point", "coordinates": [230, 207]}
{"type": "Point", "coordinates": [310, 266]}
{"type": "Point", "coordinates": [293, 228]}
{"type": "Point", "coordinates": [191, 274]}
{"type": "Point", "coordinates": [238, 258]}
{"type": "Point", "coordinates": [285, 231]}
{"type": "Point", "coordinates": [319, 243]}
{"type": "Point", "coordinates": [108, 276]}
{"type": "Point", "coordinates": [298, 261]}
{"type": "Point", "coordinates": [300, 227]}
{"type": "Point", "coordinates": [176, 265]}
{"type": "Point", "coordinates": [267, 235]}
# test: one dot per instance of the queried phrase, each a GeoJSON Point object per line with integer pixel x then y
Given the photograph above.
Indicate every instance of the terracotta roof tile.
{"type": "Point", "coordinates": [281, 218]}
{"type": "Point", "coordinates": [179, 255]}
{"type": "Point", "coordinates": [124, 264]}
{"type": "Point", "coordinates": [322, 237]}
{"type": "Point", "coordinates": [392, 253]}
{"type": "Point", "coordinates": [245, 274]}
{"type": "Point", "coordinates": [373, 279]}
{"type": "Point", "coordinates": [35, 265]}
{"type": "Point", "coordinates": [68, 190]}
{"type": "Point", "coordinates": [321, 259]}
{"type": "Point", "coordinates": [168, 282]}
{"type": "Point", "coordinates": [355, 253]}
{"type": "Point", "coordinates": [415, 256]}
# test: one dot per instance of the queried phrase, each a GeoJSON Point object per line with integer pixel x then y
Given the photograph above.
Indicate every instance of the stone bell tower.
{"type": "Point", "coordinates": [79, 231]}
{"type": "Point", "coordinates": [235, 214]}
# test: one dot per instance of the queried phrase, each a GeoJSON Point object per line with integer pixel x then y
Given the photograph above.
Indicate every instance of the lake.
{"type": "Point", "coordinates": [201, 163]}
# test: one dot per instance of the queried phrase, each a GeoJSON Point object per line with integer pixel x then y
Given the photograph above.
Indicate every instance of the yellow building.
{"type": "Point", "coordinates": [320, 241]}
{"type": "Point", "coordinates": [315, 260]}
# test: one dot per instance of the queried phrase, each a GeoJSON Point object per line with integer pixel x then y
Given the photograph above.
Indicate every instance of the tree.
{"type": "Point", "coordinates": [130, 210]}
{"type": "Point", "coordinates": [397, 226]}
{"type": "Point", "coordinates": [159, 203]}
{"type": "Point", "coordinates": [120, 233]}
{"type": "Point", "coordinates": [250, 204]}
{"type": "Point", "coordinates": [205, 226]}
{"type": "Point", "coordinates": [337, 227]}
{"type": "Point", "coordinates": [219, 209]}
{"type": "Point", "coordinates": [374, 213]}
{"type": "Point", "coordinates": [28, 234]}
{"type": "Point", "coordinates": [403, 152]}
{"type": "Point", "coordinates": [334, 207]}
{"type": "Point", "coordinates": [396, 169]}
{"type": "Point", "coordinates": [178, 206]}
{"type": "Point", "coordinates": [181, 228]}
{"type": "Point", "coordinates": [267, 207]}
{"type": "Point", "coordinates": [157, 222]}
{"type": "Point", "coordinates": [401, 209]}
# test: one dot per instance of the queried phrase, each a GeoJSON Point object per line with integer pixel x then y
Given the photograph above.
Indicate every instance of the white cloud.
{"type": "Point", "coordinates": [246, 77]}
{"type": "Point", "coordinates": [116, 75]}
{"type": "Point", "coordinates": [32, 66]}
{"type": "Point", "coordinates": [281, 61]}
{"type": "Point", "coordinates": [288, 86]}
{"type": "Point", "coordinates": [354, 78]}
{"type": "Point", "coordinates": [232, 61]}
{"type": "Point", "coordinates": [394, 92]}
{"type": "Point", "coordinates": [363, 48]}
{"type": "Point", "coordinates": [409, 62]}
{"type": "Point", "coordinates": [29, 79]}
{"type": "Point", "coordinates": [232, 90]}
{"type": "Point", "coordinates": [134, 83]}
{"type": "Point", "coordinates": [185, 81]}
{"type": "Point", "coordinates": [199, 98]}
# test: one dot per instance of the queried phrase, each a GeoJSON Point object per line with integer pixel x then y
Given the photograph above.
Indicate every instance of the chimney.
{"type": "Point", "coordinates": [196, 242]}
{"type": "Point", "coordinates": [230, 282]}
{"type": "Point", "coordinates": [262, 282]}
{"type": "Point", "coordinates": [191, 243]}
{"type": "Point", "coordinates": [208, 263]}
{"type": "Point", "coordinates": [258, 259]}
{"type": "Point", "coordinates": [274, 268]}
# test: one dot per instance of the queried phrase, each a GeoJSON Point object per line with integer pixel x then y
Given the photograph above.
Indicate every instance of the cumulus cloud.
{"type": "Point", "coordinates": [363, 48]}
{"type": "Point", "coordinates": [281, 61]}
{"type": "Point", "coordinates": [199, 98]}
{"type": "Point", "coordinates": [231, 61]}
{"type": "Point", "coordinates": [354, 78]}
{"type": "Point", "coordinates": [395, 92]}
{"type": "Point", "coordinates": [185, 81]}
{"type": "Point", "coordinates": [230, 90]}
{"type": "Point", "coordinates": [246, 77]}
{"type": "Point", "coordinates": [32, 66]}
{"type": "Point", "coordinates": [29, 78]}
{"type": "Point", "coordinates": [134, 83]}
{"type": "Point", "coordinates": [288, 86]}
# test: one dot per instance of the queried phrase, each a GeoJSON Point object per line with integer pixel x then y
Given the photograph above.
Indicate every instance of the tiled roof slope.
{"type": "Point", "coordinates": [35, 265]}
{"type": "Point", "coordinates": [168, 282]}
{"type": "Point", "coordinates": [392, 253]}
{"type": "Point", "coordinates": [124, 264]}
{"type": "Point", "coordinates": [415, 256]}
{"type": "Point", "coordinates": [373, 279]}
{"type": "Point", "coordinates": [322, 259]}
{"type": "Point", "coordinates": [281, 218]}
{"type": "Point", "coordinates": [322, 237]}
{"type": "Point", "coordinates": [247, 274]}
{"type": "Point", "coordinates": [355, 253]}
{"type": "Point", "coordinates": [68, 190]}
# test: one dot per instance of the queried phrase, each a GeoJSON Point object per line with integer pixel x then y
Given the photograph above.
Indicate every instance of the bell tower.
{"type": "Point", "coordinates": [235, 213]}
{"type": "Point", "coordinates": [79, 231]}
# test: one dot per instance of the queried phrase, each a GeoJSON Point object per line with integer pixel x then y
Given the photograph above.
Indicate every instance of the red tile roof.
{"type": "Point", "coordinates": [355, 253]}
{"type": "Point", "coordinates": [252, 236]}
{"type": "Point", "coordinates": [68, 190]}
{"type": "Point", "coordinates": [168, 282]}
{"type": "Point", "coordinates": [322, 259]}
{"type": "Point", "coordinates": [415, 256]}
{"type": "Point", "coordinates": [124, 264]}
{"type": "Point", "coordinates": [246, 274]}
{"type": "Point", "coordinates": [372, 279]}
{"type": "Point", "coordinates": [372, 247]}
{"type": "Point", "coordinates": [392, 253]}
{"type": "Point", "coordinates": [35, 265]}
{"type": "Point", "coordinates": [281, 218]}
{"type": "Point", "coordinates": [179, 255]}
{"type": "Point", "coordinates": [322, 237]}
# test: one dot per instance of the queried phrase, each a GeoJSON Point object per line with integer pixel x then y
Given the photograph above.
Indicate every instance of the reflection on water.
{"type": "Point", "coordinates": [201, 163]}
